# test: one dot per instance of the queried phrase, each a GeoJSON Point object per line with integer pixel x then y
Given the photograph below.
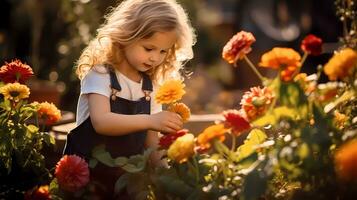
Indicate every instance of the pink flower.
{"type": "Point", "coordinates": [236, 121]}
{"type": "Point", "coordinates": [72, 173]}
{"type": "Point", "coordinates": [256, 101]}
{"type": "Point", "coordinates": [15, 71]}
{"type": "Point", "coordinates": [238, 46]}
{"type": "Point", "coordinates": [312, 45]}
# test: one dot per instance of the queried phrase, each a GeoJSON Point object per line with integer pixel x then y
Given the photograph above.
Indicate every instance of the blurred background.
{"type": "Point", "coordinates": [49, 35]}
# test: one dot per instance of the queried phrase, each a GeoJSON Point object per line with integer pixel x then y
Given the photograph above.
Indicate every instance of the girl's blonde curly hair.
{"type": "Point", "coordinates": [133, 20]}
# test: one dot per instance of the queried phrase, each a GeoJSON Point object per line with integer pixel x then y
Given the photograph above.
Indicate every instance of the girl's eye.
{"type": "Point", "coordinates": [163, 51]}
{"type": "Point", "coordinates": [147, 49]}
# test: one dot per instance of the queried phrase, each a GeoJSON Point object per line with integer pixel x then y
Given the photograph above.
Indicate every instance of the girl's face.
{"type": "Point", "coordinates": [148, 53]}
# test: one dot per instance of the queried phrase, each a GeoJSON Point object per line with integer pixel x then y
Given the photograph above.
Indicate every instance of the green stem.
{"type": "Point", "coordinates": [251, 65]}
{"type": "Point", "coordinates": [197, 169]}
{"type": "Point", "coordinates": [303, 59]}
{"type": "Point", "coordinates": [233, 142]}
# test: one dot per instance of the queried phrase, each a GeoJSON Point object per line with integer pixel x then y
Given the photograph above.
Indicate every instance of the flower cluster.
{"type": "Point", "coordinates": [22, 163]}
{"type": "Point", "coordinates": [286, 134]}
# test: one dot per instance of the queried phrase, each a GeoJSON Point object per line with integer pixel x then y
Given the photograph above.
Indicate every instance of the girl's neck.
{"type": "Point", "coordinates": [128, 71]}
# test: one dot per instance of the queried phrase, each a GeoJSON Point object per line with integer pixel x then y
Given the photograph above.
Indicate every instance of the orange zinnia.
{"type": "Point", "coordinates": [212, 132]}
{"type": "Point", "coordinates": [285, 59]}
{"type": "Point", "coordinates": [346, 161]}
{"type": "Point", "coordinates": [170, 92]}
{"type": "Point", "coordinates": [341, 64]}
{"type": "Point", "coordinates": [181, 109]}
{"type": "Point", "coordinates": [238, 46]}
{"type": "Point", "coordinates": [48, 112]}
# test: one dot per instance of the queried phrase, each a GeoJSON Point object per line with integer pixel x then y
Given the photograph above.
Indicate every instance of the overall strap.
{"type": "Point", "coordinates": [147, 86]}
{"type": "Point", "coordinates": [114, 84]}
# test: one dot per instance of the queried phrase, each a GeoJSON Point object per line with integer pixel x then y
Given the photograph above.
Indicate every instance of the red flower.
{"type": "Point", "coordinates": [72, 173]}
{"type": "Point", "coordinates": [167, 140]}
{"type": "Point", "coordinates": [235, 121]}
{"type": "Point", "coordinates": [15, 71]}
{"type": "Point", "coordinates": [238, 46]}
{"type": "Point", "coordinates": [40, 193]}
{"type": "Point", "coordinates": [312, 45]}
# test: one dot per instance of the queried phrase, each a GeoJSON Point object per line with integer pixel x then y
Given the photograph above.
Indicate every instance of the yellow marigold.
{"type": "Point", "coordinates": [15, 91]}
{"type": "Point", "coordinates": [171, 91]}
{"type": "Point", "coordinates": [340, 119]}
{"type": "Point", "coordinates": [182, 149]}
{"type": "Point", "coordinates": [181, 109]}
{"type": "Point", "coordinates": [215, 131]}
{"type": "Point", "coordinates": [341, 64]}
{"type": "Point", "coordinates": [48, 112]}
{"type": "Point", "coordinates": [346, 161]}
{"type": "Point", "coordinates": [279, 58]}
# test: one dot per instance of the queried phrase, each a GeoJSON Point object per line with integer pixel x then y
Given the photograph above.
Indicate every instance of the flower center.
{"type": "Point", "coordinates": [14, 93]}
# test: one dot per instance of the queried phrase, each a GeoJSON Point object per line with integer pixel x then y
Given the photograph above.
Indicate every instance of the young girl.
{"type": "Point", "coordinates": [141, 43]}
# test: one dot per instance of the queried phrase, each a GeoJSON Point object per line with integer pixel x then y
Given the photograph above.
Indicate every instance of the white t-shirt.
{"type": "Point", "coordinates": [98, 81]}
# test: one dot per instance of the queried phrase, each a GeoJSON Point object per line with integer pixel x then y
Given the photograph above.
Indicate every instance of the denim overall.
{"type": "Point", "coordinates": [82, 139]}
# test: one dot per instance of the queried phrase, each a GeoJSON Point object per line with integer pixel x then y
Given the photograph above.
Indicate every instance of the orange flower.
{"type": "Point", "coordinates": [238, 46]}
{"type": "Point", "coordinates": [181, 109]}
{"type": "Point", "coordinates": [171, 91]}
{"type": "Point", "coordinates": [312, 45]}
{"type": "Point", "coordinates": [41, 193]}
{"type": "Point", "coordinates": [15, 71]}
{"type": "Point", "coordinates": [280, 58]}
{"type": "Point", "coordinates": [341, 64]}
{"type": "Point", "coordinates": [212, 132]}
{"type": "Point", "coordinates": [72, 173]}
{"type": "Point", "coordinates": [48, 112]}
{"type": "Point", "coordinates": [285, 59]}
{"type": "Point", "coordinates": [346, 161]}
{"type": "Point", "coordinates": [256, 101]}
{"type": "Point", "coordinates": [236, 121]}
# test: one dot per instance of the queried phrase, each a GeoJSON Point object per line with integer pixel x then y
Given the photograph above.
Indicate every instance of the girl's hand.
{"type": "Point", "coordinates": [166, 122]}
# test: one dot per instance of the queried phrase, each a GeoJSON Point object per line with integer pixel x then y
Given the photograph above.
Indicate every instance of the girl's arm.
{"type": "Point", "coordinates": [107, 123]}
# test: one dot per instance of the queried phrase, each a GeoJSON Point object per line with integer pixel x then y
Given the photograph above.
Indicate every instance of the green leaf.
{"type": "Point", "coordinates": [93, 163]}
{"type": "Point", "coordinates": [274, 116]}
{"type": "Point", "coordinates": [121, 183]}
{"type": "Point", "coordinates": [103, 156]}
{"type": "Point", "coordinates": [292, 95]}
{"type": "Point", "coordinates": [120, 161]}
{"type": "Point", "coordinates": [175, 186]}
{"type": "Point", "coordinates": [254, 185]}
{"type": "Point", "coordinates": [255, 137]}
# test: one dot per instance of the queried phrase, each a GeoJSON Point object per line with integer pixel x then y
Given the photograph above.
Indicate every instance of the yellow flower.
{"type": "Point", "coordinates": [181, 109]}
{"type": "Point", "coordinates": [346, 161]}
{"type": "Point", "coordinates": [171, 91]}
{"type": "Point", "coordinates": [215, 131]}
{"type": "Point", "coordinates": [15, 91]}
{"type": "Point", "coordinates": [49, 112]}
{"type": "Point", "coordinates": [182, 149]}
{"type": "Point", "coordinates": [340, 119]}
{"type": "Point", "coordinates": [341, 64]}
